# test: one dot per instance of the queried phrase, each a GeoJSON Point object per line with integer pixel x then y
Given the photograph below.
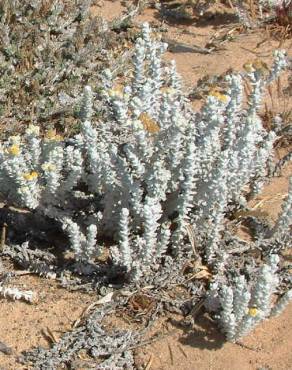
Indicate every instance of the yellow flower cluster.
{"type": "Point", "coordinates": [256, 65]}
{"type": "Point", "coordinates": [48, 167]}
{"type": "Point", "coordinates": [116, 91]}
{"type": "Point", "coordinates": [30, 176]}
{"type": "Point", "coordinates": [51, 135]}
{"type": "Point", "coordinates": [253, 311]}
{"type": "Point", "coordinates": [168, 90]}
{"type": "Point", "coordinates": [219, 96]}
{"type": "Point", "coordinates": [14, 150]}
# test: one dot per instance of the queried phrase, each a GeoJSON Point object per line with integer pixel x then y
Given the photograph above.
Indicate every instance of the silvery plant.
{"type": "Point", "coordinates": [242, 304]}
{"type": "Point", "coordinates": [150, 167]}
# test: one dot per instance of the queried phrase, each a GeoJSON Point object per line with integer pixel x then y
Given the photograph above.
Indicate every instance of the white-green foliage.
{"type": "Point", "coordinates": [84, 246]}
{"type": "Point", "coordinates": [245, 304]}
{"type": "Point", "coordinates": [282, 303]}
{"type": "Point", "coordinates": [150, 160]}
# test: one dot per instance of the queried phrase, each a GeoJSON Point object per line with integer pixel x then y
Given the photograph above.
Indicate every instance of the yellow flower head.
{"type": "Point", "coordinates": [116, 91]}
{"type": "Point", "coordinates": [14, 150]}
{"type": "Point", "coordinates": [248, 66]}
{"type": "Point", "coordinates": [253, 312]}
{"type": "Point", "coordinates": [256, 65]}
{"type": "Point", "coordinates": [30, 176]}
{"type": "Point", "coordinates": [51, 135]}
{"type": "Point", "coordinates": [49, 167]}
{"type": "Point", "coordinates": [260, 66]}
{"type": "Point", "coordinates": [167, 90]}
{"type": "Point", "coordinates": [219, 96]}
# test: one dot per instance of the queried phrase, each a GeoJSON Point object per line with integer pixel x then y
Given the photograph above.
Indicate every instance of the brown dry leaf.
{"type": "Point", "coordinates": [104, 255]}
{"type": "Point", "coordinates": [149, 124]}
{"type": "Point", "coordinates": [203, 274]}
{"type": "Point", "coordinates": [141, 302]}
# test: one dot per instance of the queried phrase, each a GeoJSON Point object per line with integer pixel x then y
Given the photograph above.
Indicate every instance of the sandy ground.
{"type": "Point", "coordinates": [202, 347]}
